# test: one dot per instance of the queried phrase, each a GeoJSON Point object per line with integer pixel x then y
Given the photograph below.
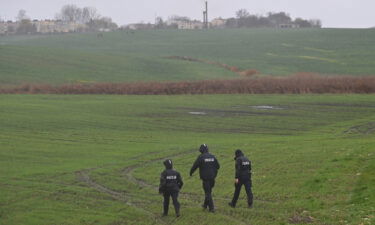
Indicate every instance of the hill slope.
{"type": "Point", "coordinates": [141, 56]}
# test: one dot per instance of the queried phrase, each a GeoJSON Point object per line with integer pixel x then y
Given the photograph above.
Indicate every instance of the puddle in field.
{"type": "Point", "coordinates": [266, 107]}
{"type": "Point", "coordinates": [197, 113]}
{"type": "Point", "coordinates": [239, 110]}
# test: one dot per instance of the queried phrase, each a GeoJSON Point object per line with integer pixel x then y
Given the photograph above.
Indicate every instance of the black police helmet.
{"type": "Point", "coordinates": [168, 164]}
{"type": "Point", "coordinates": [203, 148]}
{"type": "Point", "coordinates": [238, 153]}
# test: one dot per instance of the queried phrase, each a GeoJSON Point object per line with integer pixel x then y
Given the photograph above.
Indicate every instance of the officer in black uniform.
{"type": "Point", "coordinates": [170, 185]}
{"type": "Point", "coordinates": [242, 177]}
{"type": "Point", "coordinates": [208, 167]}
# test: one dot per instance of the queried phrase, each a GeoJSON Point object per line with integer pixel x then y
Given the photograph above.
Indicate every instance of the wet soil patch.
{"type": "Point", "coordinates": [234, 69]}
{"type": "Point", "coordinates": [367, 128]}
{"type": "Point", "coordinates": [341, 105]}
{"type": "Point", "coordinates": [230, 113]}
{"type": "Point", "coordinates": [299, 219]}
{"type": "Point", "coordinates": [260, 107]}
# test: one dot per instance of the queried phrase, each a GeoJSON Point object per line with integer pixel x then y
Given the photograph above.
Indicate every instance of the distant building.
{"type": "Point", "coordinates": [288, 25]}
{"type": "Point", "coordinates": [3, 28]}
{"type": "Point", "coordinates": [11, 27]}
{"type": "Point", "coordinates": [44, 27]}
{"type": "Point", "coordinates": [218, 23]}
{"type": "Point", "coordinates": [104, 30]}
{"type": "Point", "coordinates": [139, 26]}
{"type": "Point", "coordinates": [189, 25]}
{"type": "Point", "coordinates": [58, 26]}
{"type": "Point", "coordinates": [185, 24]}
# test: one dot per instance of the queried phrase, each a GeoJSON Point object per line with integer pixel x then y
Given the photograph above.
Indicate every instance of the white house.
{"type": "Point", "coordinates": [288, 25]}
{"type": "Point", "coordinates": [186, 24]}
{"type": "Point", "coordinates": [218, 23]}
{"type": "Point", "coordinates": [57, 26]}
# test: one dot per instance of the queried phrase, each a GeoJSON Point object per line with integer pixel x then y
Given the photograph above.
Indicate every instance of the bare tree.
{"type": "Point", "coordinates": [159, 23]}
{"type": "Point", "coordinates": [22, 15]}
{"type": "Point", "coordinates": [102, 23]}
{"type": "Point", "coordinates": [242, 13]}
{"type": "Point", "coordinates": [316, 23]}
{"type": "Point", "coordinates": [302, 23]}
{"type": "Point", "coordinates": [279, 18]}
{"type": "Point", "coordinates": [26, 27]}
{"type": "Point", "coordinates": [88, 14]}
{"type": "Point", "coordinates": [70, 13]}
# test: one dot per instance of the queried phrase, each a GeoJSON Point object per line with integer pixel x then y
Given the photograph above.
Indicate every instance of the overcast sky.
{"type": "Point", "coordinates": [333, 13]}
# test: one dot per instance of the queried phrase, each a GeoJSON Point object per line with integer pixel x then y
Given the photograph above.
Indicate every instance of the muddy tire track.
{"type": "Point", "coordinates": [128, 198]}
{"type": "Point", "coordinates": [197, 199]}
{"type": "Point", "coordinates": [127, 172]}
{"type": "Point", "coordinates": [123, 196]}
{"type": "Point", "coordinates": [234, 69]}
{"type": "Point", "coordinates": [364, 129]}
{"type": "Point", "coordinates": [83, 176]}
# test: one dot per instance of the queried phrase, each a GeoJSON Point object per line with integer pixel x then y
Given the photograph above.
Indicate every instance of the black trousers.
{"type": "Point", "coordinates": [207, 187]}
{"type": "Point", "coordinates": [247, 184]}
{"type": "Point", "coordinates": [176, 204]}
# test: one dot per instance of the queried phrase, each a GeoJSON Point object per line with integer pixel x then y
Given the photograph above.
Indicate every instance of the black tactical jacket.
{"type": "Point", "coordinates": [208, 166]}
{"type": "Point", "coordinates": [243, 168]}
{"type": "Point", "coordinates": [170, 180]}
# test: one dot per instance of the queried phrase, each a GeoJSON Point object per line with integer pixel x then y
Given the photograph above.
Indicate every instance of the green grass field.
{"type": "Point", "coordinates": [121, 56]}
{"type": "Point", "coordinates": [97, 159]}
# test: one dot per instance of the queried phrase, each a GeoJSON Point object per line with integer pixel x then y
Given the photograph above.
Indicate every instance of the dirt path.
{"type": "Point", "coordinates": [83, 176]}
{"type": "Point", "coordinates": [234, 69]}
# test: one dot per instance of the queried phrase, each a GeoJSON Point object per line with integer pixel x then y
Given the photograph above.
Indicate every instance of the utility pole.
{"type": "Point", "coordinates": [204, 19]}
{"type": "Point", "coordinates": [205, 16]}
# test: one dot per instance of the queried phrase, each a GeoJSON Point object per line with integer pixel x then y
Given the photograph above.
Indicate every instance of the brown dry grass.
{"type": "Point", "coordinates": [248, 73]}
{"type": "Point", "coordinates": [297, 84]}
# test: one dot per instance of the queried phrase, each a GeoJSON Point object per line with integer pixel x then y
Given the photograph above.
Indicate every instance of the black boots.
{"type": "Point", "coordinates": [177, 212]}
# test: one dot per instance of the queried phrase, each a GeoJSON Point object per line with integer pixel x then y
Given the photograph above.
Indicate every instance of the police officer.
{"type": "Point", "coordinates": [242, 177]}
{"type": "Point", "coordinates": [208, 167]}
{"type": "Point", "coordinates": [170, 185]}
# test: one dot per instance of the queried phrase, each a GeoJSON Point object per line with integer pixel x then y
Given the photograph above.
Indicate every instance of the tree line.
{"type": "Point", "coordinates": [244, 19]}
{"type": "Point", "coordinates": [93, 21]}
{"type": "Point", "coordinates": [88, 16]}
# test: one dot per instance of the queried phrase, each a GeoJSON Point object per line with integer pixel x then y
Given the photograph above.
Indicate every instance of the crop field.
{"type": "Point", "coordinates": [96, 159]}
{"type": "Point", "coordinates": [156, 55]}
